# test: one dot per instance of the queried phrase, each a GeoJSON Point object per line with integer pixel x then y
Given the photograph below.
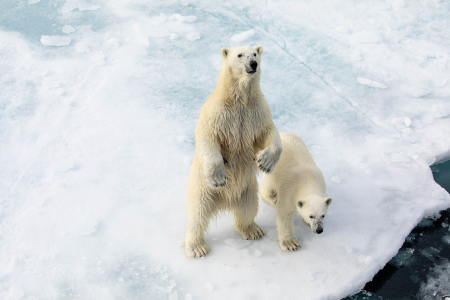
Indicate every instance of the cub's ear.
{"type": "Point", "coordinates": [328, 201]}
{"type": "Point", "coordinates": [259, 49]}
{"type": "Point", "coordinates": [224, 52]}
{"type": "Point", "coordinates": [300, 203]}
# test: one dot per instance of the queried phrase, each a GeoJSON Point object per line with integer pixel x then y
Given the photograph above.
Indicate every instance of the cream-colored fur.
{"type": "Point", "coordinates": [296, 185]}
{"type": "Point", "coordinates": [235, 135]}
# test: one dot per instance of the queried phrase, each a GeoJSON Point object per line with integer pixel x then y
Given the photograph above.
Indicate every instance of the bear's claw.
{"type": "Point", "coordinates": [254, 232]}
{"type": "Point", "coordinates": [290, 245]}
{"type": "Point", "coordinates": [198, 250]}
{"type": "Point", "coordinates": [267, 160]}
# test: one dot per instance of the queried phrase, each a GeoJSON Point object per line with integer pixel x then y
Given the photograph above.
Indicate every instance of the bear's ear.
{"type": "Point", "coordinates": [224, 52]}
{"type": "Point", "coordinates": [259, 49]}
{"type": "Point", "coordinates": [328, 201]}
{"type": "Point", "coordinates": [300, 203]}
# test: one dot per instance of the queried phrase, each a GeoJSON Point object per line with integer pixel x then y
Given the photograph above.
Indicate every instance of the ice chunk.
{"type": "Point", "coordinates": [67, 29]}
{"type": "Point", "coordinates": [174, 36]}
{"type": "Point", "coordinates": [33, 1]}
{"type": "Point", "coordinates": [188, 296]}
{"type": "Point", "coordinates": [336, 179]}
{"type": "Point", "coordinates": [237, 243]}
{"type": "Point", "coordinates": [240, 37]}
{"type": "Point", "coordinates": [341, 29]}
{"type": "Point", "coordinates": [189, 19]}
{"type": "Point", "coordinates": [403, 258]}
{"type": "Point", "coordinates": [194, 35]}
{"type": "Point", "coordinates": [446, 239]}
{"type": "Point", "coordinates": [258, 253]}
{"type": "Point", "coordinates": [368, 37]}
{"type": "Point", "coordinates": [120, 279]}
{"type": "Point", "coordinates": [348, 249]}
{"type": "Point", "coordinates": [209, 286]}
{"type": "Point", "coordinates": [87, 6]}
{"type": "Point", "coordinates": [418, 91]}
{"type": "Point", "coordinates": [398, 4]}
{"type": "Point", "coordinates": [55, 40]}
{"type": "Point", "coordinates": [437, 286]}
{"type": "Point", "coordinates": [407, 121]}
{"type": "Point", "coordinates": [370, 83]}
{"type": "Point", "coordinates": [81, 47]}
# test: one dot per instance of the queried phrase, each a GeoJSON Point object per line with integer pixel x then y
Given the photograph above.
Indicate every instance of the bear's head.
{"type": "Point", "coordinates": [243, 61]}
{"type": "Point", "coordinates": [313, 210]}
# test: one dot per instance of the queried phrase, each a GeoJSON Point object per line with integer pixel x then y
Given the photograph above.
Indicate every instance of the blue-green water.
{"type": "Point", "coordinates": [425, 253]}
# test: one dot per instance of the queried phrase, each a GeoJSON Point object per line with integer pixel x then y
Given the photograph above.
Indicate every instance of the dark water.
{"type": "Point", "coordinates": [421, 269]}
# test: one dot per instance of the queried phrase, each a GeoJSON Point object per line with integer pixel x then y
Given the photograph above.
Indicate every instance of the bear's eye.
{"type": "Point", "coordinates": [312, 217]}
{"type": "Point", "coordinates": [254, 54]}
{"type": "Point", "coordinates": [323, 216]}
{"type": "Point", "coordinates": [240, 55]}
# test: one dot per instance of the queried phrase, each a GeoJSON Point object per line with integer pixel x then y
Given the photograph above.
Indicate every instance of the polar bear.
{"type": "Point", "coordinates": [235, 135]}
{"type": "Point", "coordinates": [296, 184]}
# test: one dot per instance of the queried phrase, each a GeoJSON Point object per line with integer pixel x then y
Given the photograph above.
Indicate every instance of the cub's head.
{"type": "Point", "coordinates": [313, 210]}
{"type": "Point", "coordinates": [243, 61]}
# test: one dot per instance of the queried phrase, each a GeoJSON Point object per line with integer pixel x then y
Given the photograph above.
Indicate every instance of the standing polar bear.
{"type": "Point", "coordinates": [296, 185]}
{"type": "Point", "coordinates": [235, 134]}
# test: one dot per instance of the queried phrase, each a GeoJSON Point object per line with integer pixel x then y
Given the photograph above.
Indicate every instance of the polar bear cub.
{"type": "Point", "coordinates": [295, 185]}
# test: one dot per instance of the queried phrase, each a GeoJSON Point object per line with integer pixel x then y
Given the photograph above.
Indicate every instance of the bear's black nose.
{"type": "Point", "coordinates": [319, 230]}
{"type": "Point", "coordinates": [253, 65]}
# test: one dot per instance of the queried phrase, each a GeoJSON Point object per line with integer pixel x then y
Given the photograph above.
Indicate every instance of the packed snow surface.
{"type": "Point", "coordinates": [97, 139]}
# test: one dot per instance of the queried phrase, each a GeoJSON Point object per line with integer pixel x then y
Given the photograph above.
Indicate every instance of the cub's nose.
{"type": "Point", "coordinates": [253, 65]}
{"type": "Point", "coordinates": [319, 230]}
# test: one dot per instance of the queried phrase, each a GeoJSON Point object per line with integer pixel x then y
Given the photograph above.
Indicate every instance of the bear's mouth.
{"type": "Point", "coordinates": [251, 72]}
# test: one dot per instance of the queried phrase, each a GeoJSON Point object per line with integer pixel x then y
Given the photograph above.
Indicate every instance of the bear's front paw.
{"type": "Point", "coordinates": [197, 250]}
{"type": "Point", "coordinates": [253, 232]}
{"type": "Point", "coordinates": [289, 245]}
{"type": "Point", "coordinates": [217, 177]}
{"type": "Point", "coordinates": [267, 159]}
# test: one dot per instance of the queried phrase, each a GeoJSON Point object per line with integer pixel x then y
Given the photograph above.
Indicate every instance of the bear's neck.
{"type": "Point", "coordinates": [239, 91]}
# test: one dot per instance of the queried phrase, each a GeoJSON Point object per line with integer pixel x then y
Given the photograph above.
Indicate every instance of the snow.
{"type": "Point", "coordinates": [96, 146]}
{"type": "Point", "coordinates": [68, 29]}
{"type": "Point", "coordinates": [55, 40]}
{"type": "Point", "coordinates": [371, 83]}
{"type": "Point", "coordinates": [243, 36]}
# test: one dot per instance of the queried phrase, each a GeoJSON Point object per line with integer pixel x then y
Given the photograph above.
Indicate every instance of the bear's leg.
{"type": "Point", "coordinates": [245, 210]}
{"type": "Point", "coordinates": [286, 235]}
{"type": "Point", "coordinates": [268, 191]}
{"type": "Point", "coordinates": [200, 211]}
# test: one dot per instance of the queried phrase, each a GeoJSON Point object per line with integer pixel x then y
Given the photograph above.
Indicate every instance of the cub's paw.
{"type": "Point", "coordinates": [289, 245]}
{"type": "Point", "coordinates": [197, 250]}
{"type": "Point", "coordinates": [253, 232]}
{"type": "Point", "coordinates": [267, 159]}
{"type": "Point", "coordinates": [217, 177]}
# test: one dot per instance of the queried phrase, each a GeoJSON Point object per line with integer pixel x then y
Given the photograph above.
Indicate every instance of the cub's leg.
{"type": "Point", "coordinates": [245, 210]}
{"type": "Point", "coordinates": [201, 208]}
{"type": "Point", "coordinates": [286, 235]}
{"type": "Point", "coordinates": [268, 191]}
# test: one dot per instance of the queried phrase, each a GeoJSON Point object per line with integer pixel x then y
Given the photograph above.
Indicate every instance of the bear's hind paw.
{"type": "Point", "coordinates": [197, 250]}
{"type": "Point", "coordinates": [290, 245]}
{"type": "Point", "coordinates": [254, 232]}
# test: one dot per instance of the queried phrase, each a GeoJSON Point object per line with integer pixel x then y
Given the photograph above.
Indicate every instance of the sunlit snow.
{"type": "Point", "coordinates": [97, 125]}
